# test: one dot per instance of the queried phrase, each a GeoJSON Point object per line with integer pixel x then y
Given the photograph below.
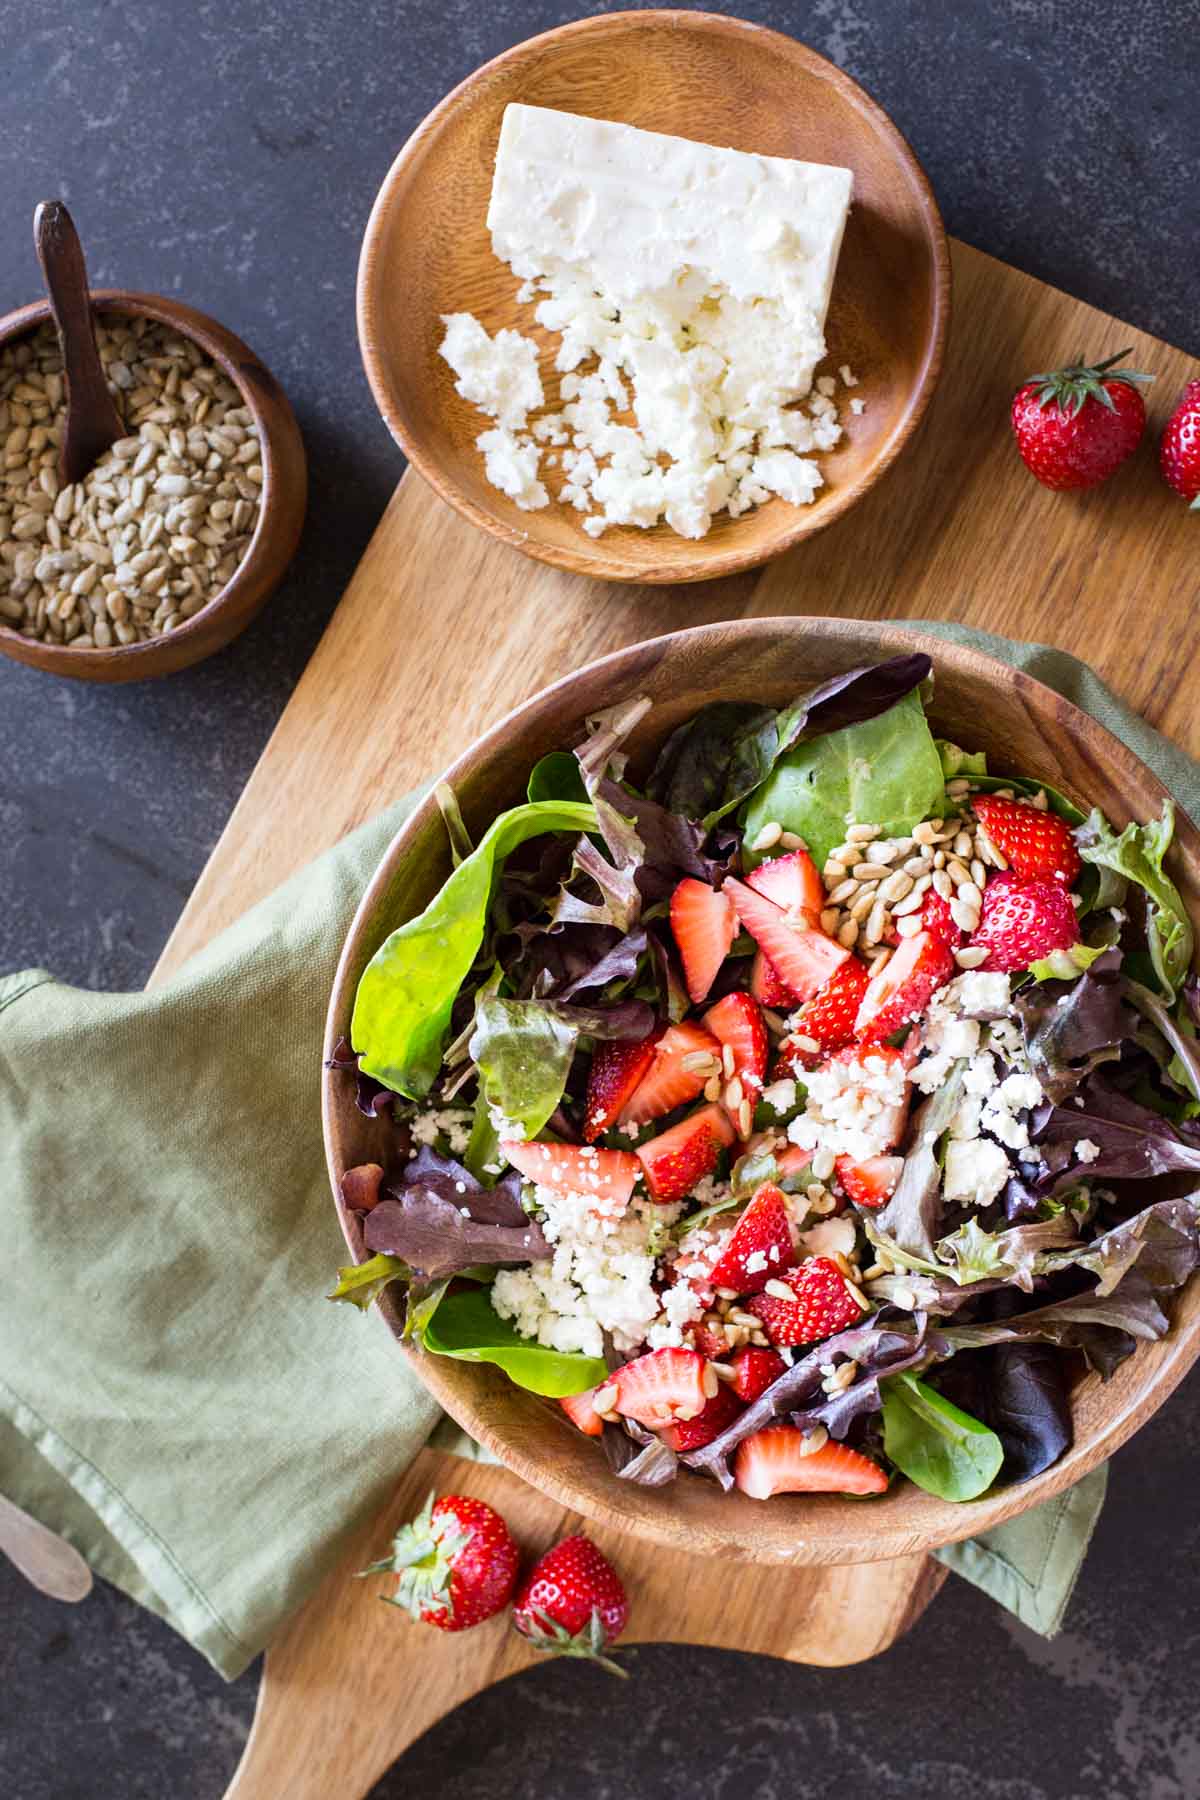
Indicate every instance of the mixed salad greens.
{"type": "Point", "coordinates": [809, 1112]}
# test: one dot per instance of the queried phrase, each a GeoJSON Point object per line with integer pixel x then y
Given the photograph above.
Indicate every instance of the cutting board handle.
{"type": "Point", "coordinates": [349, 1683]}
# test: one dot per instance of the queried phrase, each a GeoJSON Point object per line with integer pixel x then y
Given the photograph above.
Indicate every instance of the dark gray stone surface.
{"type": "Point", "coordinates": [230, 155]}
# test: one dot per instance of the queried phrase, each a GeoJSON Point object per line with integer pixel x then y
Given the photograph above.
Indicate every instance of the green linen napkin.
{"type": "Point", "coordinates": [175, 1396]}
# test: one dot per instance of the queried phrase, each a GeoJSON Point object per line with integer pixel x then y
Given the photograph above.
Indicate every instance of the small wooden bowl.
{"type": "Point", "coordinates": [427, 251]}
{"type": "Point", "coordinates": [281, 514]}
{"type": "Point", "coordinates": [1024, 727]}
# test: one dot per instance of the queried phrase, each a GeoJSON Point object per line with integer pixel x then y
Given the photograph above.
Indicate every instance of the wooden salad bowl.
{"type": "Point", "coordinates": [723, 81]}
{"type": "Point", "coordinates": [1025, 728]}
{"type": "Point", "coordinates": [281, 514]}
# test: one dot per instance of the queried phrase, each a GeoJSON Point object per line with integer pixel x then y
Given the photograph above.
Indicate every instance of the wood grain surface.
{"type": "Point", "coordinates": [350, 1683]}
{"type": "Point", "coordinates": [443, 630]}
{"type": "Point", "coordinates": [696, 75]}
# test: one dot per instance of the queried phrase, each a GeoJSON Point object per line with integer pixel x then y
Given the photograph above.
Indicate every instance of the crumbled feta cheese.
{"type": "Point", "coordinates": [756, 1262]}
{"type": "Point", "coordinates": [781, 1095]}
{"type": "Point", "coordinates": [829, 1237]}
{"type": "Point", "coordinates": [976, 1171]}
{"type": "Point", "coordinates": [600, 1279]}
{"type": "Point", "coordinates": [511, 465]}
{"type": "Point", "coordinates": [848, 379]}
{"type": "Point", "coordinates": [854, 1106]}
{"type": "Point", "coordinates": [1014, 1095]}
{"type": "Point", "coordinates": [1086, 1151]}
{"type": "Point", "coordinates": [858, 407]}
{"type": "Point", "coordinates": [498, 375]}
{"type": "Point", "coordinates": [452, 1123]}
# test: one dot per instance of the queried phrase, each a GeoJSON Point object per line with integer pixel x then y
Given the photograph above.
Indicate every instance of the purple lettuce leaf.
{"type": "Point", "coordinates": [1072, 1026]}
{"type": "Point", "coordinates": [370, 1096]}
{"type": "Point", "coordinates": [911, 1215]}
{"type": "Point", "coordinates": [1135, 1143]}
{"type": "Point", "coordinates": [1184, 1068]}
{"type": "Point", "coordinates": [440, 1220]}
{"type": "Point", "coordinates": [877, 1349]}
{"type": "Point", "coordinates": [1103, 1328]}
{"type": "Point", "coordinates": [1163, 1240]}
{"type": "Point", "coordinates": [1020, 1392]}
{"type": "Point", "coordinates": [636, 1454]}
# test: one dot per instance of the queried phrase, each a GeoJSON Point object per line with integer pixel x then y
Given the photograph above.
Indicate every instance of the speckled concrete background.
{"type": "Point", "coordinates": [230, 155]}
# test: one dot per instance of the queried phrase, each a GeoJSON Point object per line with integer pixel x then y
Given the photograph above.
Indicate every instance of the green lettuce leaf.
{"type": "Point", "coordinates": [404, 1000]}
{"type": "Point", "coordinates": [885, 771]}
{"type": "Point", "coordinates": [938, 1446]}
{"type": "Point", "coordinates": [957, 762]}
{"type": "Point", "coordinates": [467, 1327]}
{"type": "Point", "coordinates": [1137, 855]}
{"type": "Point", "coordinates": [523, 1053]}
{"type": "Point", "coordinates": [557, 777]}
{"type": "Point", "coordinates": [360, 1283]}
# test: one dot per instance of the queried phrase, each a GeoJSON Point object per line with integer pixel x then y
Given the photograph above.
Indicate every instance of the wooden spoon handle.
{"type": "Point", "coordinates": [93, 422]}
{"type": "Point", "coordinates": [44, 1558]}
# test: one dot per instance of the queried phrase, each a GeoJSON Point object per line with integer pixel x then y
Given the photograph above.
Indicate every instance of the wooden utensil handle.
{"type": "Point", "coordinates": [44, 1558]}
{"type": "Point", "coordinates": [93, 422]}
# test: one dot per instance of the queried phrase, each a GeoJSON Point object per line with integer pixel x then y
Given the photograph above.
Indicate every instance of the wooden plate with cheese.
{"type": "Point", "coordinates": [751, 236]}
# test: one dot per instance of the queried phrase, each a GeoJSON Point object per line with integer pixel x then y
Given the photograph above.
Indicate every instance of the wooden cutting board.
{"type": "Point", "coordinates": [440, 633]}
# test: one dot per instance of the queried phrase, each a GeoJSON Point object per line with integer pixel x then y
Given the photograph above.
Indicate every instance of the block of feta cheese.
{"type": "Point", "coordinates": [688, 285]}
{"type": "Point", "coordinates": [634, 208]}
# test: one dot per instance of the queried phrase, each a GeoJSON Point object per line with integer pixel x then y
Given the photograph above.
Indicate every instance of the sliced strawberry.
{"type": "Point", "coordinates": [1037, 845]}
{"type": "Point", "coordinates": [766, 986]}
{"type": "Point", "coordinates": [772, 1462]}
{"type": "Point", "coordinates": [903, 988]}
{"type": "Point", "coordinates": [577, 1169]}
{"type": "Point", "coordinates": [663, 1386]}
{"type": "Point", "coordinates": [937, 919]}
{"type": "Point", "coordinates": [828, 1019]}
{"type": "Point", "coordinates": [1022, 921]}
{"type": "Point", "coordinates": [754, 1370]}
{"type": "Point", "coordinates": [820, 1304]}
{"type": "Point", "coordinates": [667, 1083]}
{"type": "Point", "coordinates": [870, 1183]}
{"type": "Point", "coordinates": [705, 925]}
{"type": "Point", "coordinates": [804, 958]}
{"type": "Point", "coordinates": [710, 1343]}
{"type": "Point", "coordinates": [791, 881]}
{"type": "Point", "coordinates": [693, 1434]}
{"type": "Point", "coordinates": [737, 1024]}
{"type": "Point", "coordinates": [581, 1412]}
{"type": "Point", "coordinates": [617, 1071]}
{"type": "Point", "coordinates": [791, 1161]}
{"type": "Point", "coordinates": [761, 1244]}
{"type": "Point", "coordinates": [676, 1160]}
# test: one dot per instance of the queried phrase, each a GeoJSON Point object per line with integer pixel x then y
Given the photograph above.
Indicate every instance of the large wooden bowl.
{"type": "Point", "coordinates": [1025, 728]}
{"type": "Point", "coordinates": [280, 518]}
{"type": "Point", "coordinates": [698, 75]}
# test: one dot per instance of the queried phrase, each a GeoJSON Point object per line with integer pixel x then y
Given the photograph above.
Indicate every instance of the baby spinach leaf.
{"type": "Point", "coordinates": [1137, 854]}
{"type": "Point", "coordinates": [467, 1327]}
{"type": "Point", "coordinates": [407, 991]}
{"type": "Point", "coordinates": [938, 1446]}
{"type": "Point", "coordinates": [523, 1052]}
{"type": "Point", "coordinates": [1025, 787]}
{"type": "Point", "coordinates": [885, 770]}
{"type": "Point", "coordinates": [556, 777]}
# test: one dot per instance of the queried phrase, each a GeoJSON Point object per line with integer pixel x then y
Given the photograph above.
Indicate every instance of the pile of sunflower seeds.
{"type": "Point", "coordinates": [159, 525]}
{"type": "Point", "coordinates": [875, 886]}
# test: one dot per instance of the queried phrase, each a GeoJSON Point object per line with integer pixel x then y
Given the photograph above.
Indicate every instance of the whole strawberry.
{"type": "Point", "coordinates": [573, 1604]}
{"type": "Point", "coordinates": [456, 1563]}
{"type": "Point", "coordinates": [1179, 452]}
{"type": "Point", "coordinates": [1076, 426]}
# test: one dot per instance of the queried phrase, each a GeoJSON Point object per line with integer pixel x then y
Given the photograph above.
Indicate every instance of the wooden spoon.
{"type": "Point", "coordinates": [93, 422]}
{"type": "Point", "coordinates": [44, 1558]}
